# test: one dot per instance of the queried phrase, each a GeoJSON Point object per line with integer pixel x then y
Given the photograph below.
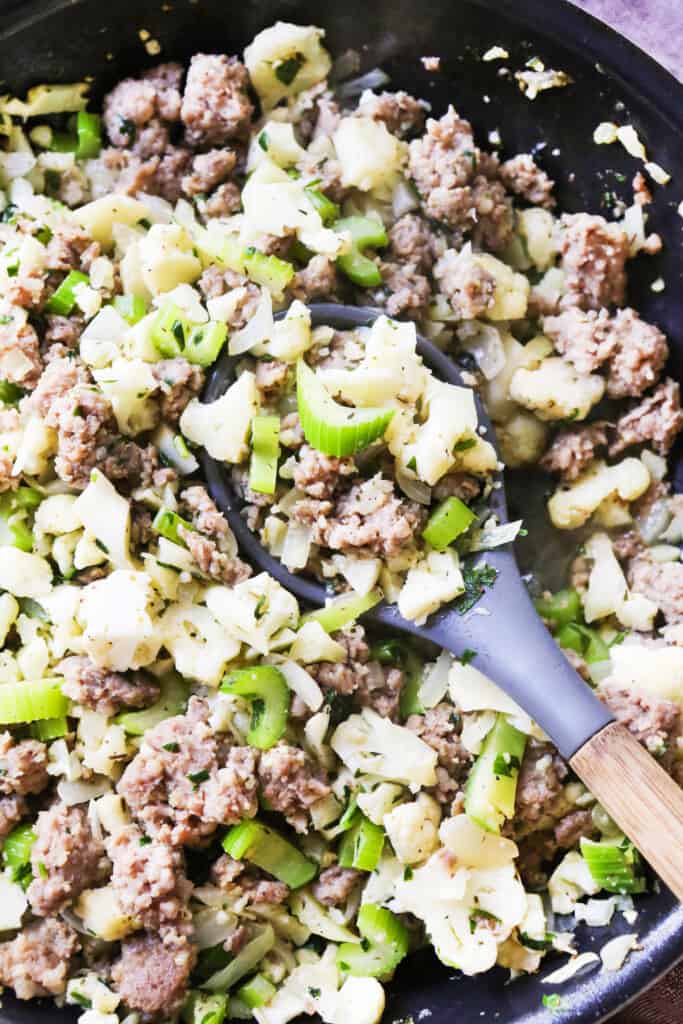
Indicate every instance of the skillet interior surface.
{"type": "Point", "coordinates": [613, 80]}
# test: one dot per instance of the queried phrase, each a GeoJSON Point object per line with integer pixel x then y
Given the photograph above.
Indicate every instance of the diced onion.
{"type": "Point", "coordinates": [570, 969]}
{"type": "Point", "coordinates": [413, 488]}
{"type": "Point", "coordinates": [302, 684]}
{"type": "Point", "coordinates": [614, 952]}
{"type": "Point", "coordinates": [297, 546]}
{"type": "Point", "coordinates": [71, 793]}
{"type": "Point", "coordinates": [483, 341]}
{"type": "Point", "coordinates": [257, 329]}
{"type": "Point", "coordinates": [435, 682]}
{"type": "Point", "coordinates": [374, 79]}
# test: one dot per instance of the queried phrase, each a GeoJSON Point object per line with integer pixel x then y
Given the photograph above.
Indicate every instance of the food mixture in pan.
{"type": "Point", "coordinates": [214, 803]}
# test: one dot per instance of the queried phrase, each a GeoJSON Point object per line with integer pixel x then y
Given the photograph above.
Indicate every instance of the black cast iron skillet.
{"type": "Point", "coordinates": [63, 40]}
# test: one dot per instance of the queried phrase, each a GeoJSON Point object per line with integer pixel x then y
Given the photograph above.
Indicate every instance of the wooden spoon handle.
{"type": "Point", "coordinates": [637, 793]}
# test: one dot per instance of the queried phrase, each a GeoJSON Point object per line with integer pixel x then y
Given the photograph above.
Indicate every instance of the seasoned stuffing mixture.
{"type": "Point", "coordinates": [211, 803]}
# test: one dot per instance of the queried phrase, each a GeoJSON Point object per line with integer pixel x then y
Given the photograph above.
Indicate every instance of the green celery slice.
{"type": "Point", "coordinates": [332, 428]}
{"type": "Point", "coordinates": [131, 307]}
{"type": "Point", "coordinates": [361, 847]}
{"type": "Point", "coordinates": [31, 701]}
{"type": "Point", "coordinates": [16, 849]}
{"type": "Point", "coordinates": [246, 961]}
{"type": "Point", "coordinates": [89, 132]}
{"type": "Point", "coordinates": [328, 211]}
{"type": "Point", "coordinates": [167, 523]}
{"type": "Point", "coordinates": [256, 992]}
{"type": "Point", "coordinates": [266, 687]}
{"type": "Point", "coordinates": [586, 642]}
{"type": "Point", "coordinates": [451, 518]}
{"type": "Point", "coordinates": [205, 343]}
{"type": "Point", "coordinates": [49, 728]}
{"type": "Point", "coordinates": [252, 840]}
{"type": "Point", "coordinates": [492, 786]}
{"type": "Point", "coordinates": [270, 271]}
{"type": "Point", "coordinates": [170, 331]}
{"type": "Point", "coordinates": [172, 701]}
{"type": "Point", "coordinates": [386, 942]}
{"type": "Point", "coordinates": [342, 610]}
{"type": "Point", "coordinates": [265, 452]}
{"type": "Point", "coordinates": [614, 864]}
{"type": "Point", "coordinates": [63, 300]}
{"type": "Point", "coordinates": [365, 232]}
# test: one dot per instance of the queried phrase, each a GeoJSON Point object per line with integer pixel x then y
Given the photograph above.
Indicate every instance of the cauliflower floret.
{"type": "Point", "coordinates": [36, 444]}
{"type": "Point", "coordinates": [277, 140]}
{"type": "Point", "coordinates": [451, 416]}
{"type": "Point", "coordinates": [129, 385]}
{"type": "Point", "coordinates": [57, 514]}
{"type": "Point", "coordinates": [570, 880]}
{"type": "Point", "coordinates": [373, 745]}
{"type": "Point", "coordinates": [198, 644]}
{"type": "Point", "coordinates": [379, 801]}
{"type": "Point", "coordinates": [607, 592]}
{"type": "Point", "coordinates": [286, 59]}
{"type": "Point", "coordinates": [555, 391]}
{"type": "Point", "coordinates": [105, 514]}
{"type": "Point", "coordinates": [511, 294]}
{"type": "Point", "coordinates": [313, 643]}
{"type": "Point", "coordinates": [653, 670]}
{"type": "Point", "coordinates": [102, 745]}
{"type": "Point", "coordinates": [370, 157]}
{"type": "Point", "coordinates": [434, 581]}
{"type": "Point", "coordinates": [572, 505]}
{"type": "Point", "coordinates": [116, 613]}
{"type": "Point", "coordinates": [223, 426]}
{"type": "Point", "coordinates": [522, 440]}
{"type": "Point", "coordinates": [413, 829]}
{"type": "Point", "coordinates": [255, 612]}
{"type": "Point", "coordinates": [496, 392]}
{"type": "Point", "coordinates": [24, 574]}
{"type": "Point", "coordinates": [360, 1000]}
{"type": "Point", "coordinates": [101, 914]}
{"type": "Point", "coordinates": [290, 337]}
{"type": "Point", "coordinates": [98, 218]}
{"type": "Point", "coordinates": [167, 258]}
{"type": "Point", "coordinates": [538, 229]}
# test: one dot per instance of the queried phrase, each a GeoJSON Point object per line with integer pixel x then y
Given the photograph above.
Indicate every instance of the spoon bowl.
{"type": "Point", "coordinates": [511, 644]}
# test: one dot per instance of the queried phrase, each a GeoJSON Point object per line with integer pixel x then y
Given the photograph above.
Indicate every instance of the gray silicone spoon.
{"type": "Point", "coordinates": [512, 645]}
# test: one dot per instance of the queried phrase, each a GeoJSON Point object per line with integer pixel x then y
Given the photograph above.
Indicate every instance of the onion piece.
{"type": "Point", "coordinates": [483, 341]}
{"type": "Point", "coordinates": [301, 683]}
{"type": "Point", "coordinates": [296, 549]}
{"type": "Point", "coordinates": [373, 79]}
{"type": "Point", "coordinates": [413, 488]}
{"type": "Point", "coordinates": [435, 681]}
{"type": "Point", "coordinates": [258, 328]}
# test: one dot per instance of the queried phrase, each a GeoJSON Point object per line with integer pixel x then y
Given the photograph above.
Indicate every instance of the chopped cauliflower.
{"type": "Point", "coordinates": [573, 504]}
{"type": "Point", "coordinates": [555, 391]}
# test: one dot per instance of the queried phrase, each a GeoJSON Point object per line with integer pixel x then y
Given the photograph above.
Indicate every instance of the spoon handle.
{"type": "Point", "coordinates": [512, 646]}
{"type": "Point", "coordinates": [637, 793]}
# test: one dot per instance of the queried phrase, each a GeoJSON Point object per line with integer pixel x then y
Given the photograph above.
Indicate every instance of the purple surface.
{"type": "Point", "coordinates": [655, 25]}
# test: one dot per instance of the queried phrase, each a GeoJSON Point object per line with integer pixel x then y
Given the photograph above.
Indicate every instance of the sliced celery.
{"type": "Point", "coordinates": [63, 300]}
{"type": "Point", "coordinates": [30, 701]}
{"type": "Point", "coordinates": [324, 206]}
{"type": "Point", "coordinates": [332, 428]}
{"type": "Point", "coordinates": [205, 342]}
{"type": "Point", "coordinates": [49, 728]}
{"type": "Point", "coordinates": [246, 961]}
{"type": "Point", "coordinates": [252, 840]}
{"type": "Point", "coordinates": [451, 518]}
{"type": "Point", "coordinates": [256, 992]}
{"type": "Point", "coordinates": [586, 642]}
{"type": "Point", "coordinates": [614, 864]}
{"type": "Point", "coordinates": [172, 701]}
{"type": "Point", "coordinates": [168, 524]}
{"type": "Point", "coordinates": [170, 331]}
{"type": "Point", "coordinates": [265, 452]}
{"type": "Point", "coordinates": [269, 271]}
{"type": "Point", "coordinates": [492, 786]}
{"type": "Point", "coordinates": [342, 610]}
{"type": "Point", "coordinates": [365, 232]}
{"type": "Point", "coordinates": [361, 847]}
{"type": "Point", "coordinates": [561, 609]}
{"type": "Point", "coordinates": [131, 307]}
{"type": "Point", "coordinates": [266, 688]}
{"type": "Point", "coordinates": [16, 849]}
{"type": "Point", "coordinates": [89, 132]}
{"type": "Point", "coordinates": [385, 944]}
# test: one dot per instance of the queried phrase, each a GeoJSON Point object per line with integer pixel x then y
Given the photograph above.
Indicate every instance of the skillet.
{"type": "Point", "coordinates": [63, 40]}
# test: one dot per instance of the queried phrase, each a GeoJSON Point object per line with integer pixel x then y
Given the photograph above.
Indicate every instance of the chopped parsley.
{"type": "Point", "coordinates": [467, 656]}
{"type": "Point", "coordinates": [263, 141]}
{"type": "Point", "coordinates": [82, 1000]}
{"type": "Point", "coordinates": [42, 870]}
{"type": "Point", "coordinates": [172, 748]}
{"type": "Point", "coordinates": [505, 764]}
{"type": "Point", "coordinates": [8, 213]}
{"type": "Point", "coordinates": [476, 578]}
{"type": "Point", "coordinates": [287, 71]}
{"type": "Point", "coordinates": [552, 1001]}
{"type": "Point", "coordinates": [407, 874]}
{"type": "Point", "coordinates": [538, 944]}
{"type": "Point", "coordinates": [481, 915]}
{"type": "Point", "coordinates": [144, 223]}
{"type": "Point", "coordinates": [145, 840]}
{"type": "Point", "coordinates": [465, 444]}
{"type": "Point", "coordinates": [314, 993]}
{"type": "Point", "coordinates": [197, 777]}
{"type": "Point", "coordinates": [127, 128]}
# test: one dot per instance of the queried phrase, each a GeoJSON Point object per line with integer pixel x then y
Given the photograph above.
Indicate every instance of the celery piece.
{"type": "Point", "coordinates": [614, 864]}
{"type": "Point", "coordinates": [49, 728]}
{"type": "Point", "coordinates": [252, 840]}
{"type": "Point", "coordinates": [204, 1008]}
{"type": "Point", "coordinates": [168, 524]}
{"type": "Point", "coordinates": [269, 271]}
{"type": "Point", "coordinates": [170, 331]}
{"type": "Point", "coordinates": [492, 785]}
{"type": "Point", "coordinates": [172, 701]}
{"type": "Point", "coordinates": [332, 428]}
{"type": "Point", "coordinates": [205, 342]}
{"type": "Point", "coordinates": [561, 609]}
{"type": "Point", "coordinates": [89, 132]}
{"type": "Point", "coordinates": [397, 652]}
{"type": "Point", "coordinates": [16, 849]}
{"type": "Point", "coordinates": [365, 232]}
{"type": "Point", "coordinates": [30, 701]}
{"type": "Point", "coordinates": [266, 688]}
{"type": "Point", "coordinates": [342, 610]}
{"type": "Point", "coordinates": [256, 992]}
{"type": "Point", "coordinates": [226, 250]}
{"type": "Point", "coordinates": [324, 206]}
{"type": "Point", "coordinates": [131, 307]}
{"type": "Point", "coordinates": [63, 300]}
{"type": "Point", "coordinates": [265, 452]}
{"type": "Point", "coordinates": [246, 961]}
{"type": "Point", "coordinates": [385, 944]}
{"type": "Point", "coordinates": [451, 518]}
{"type": "Point", "coordinates": [26, 497]}
{"type": "Point", "coordinates": [586, 642]}
{"type": "Point", "coordinates": [362, 846]}
{"type": "Point", "coordinates": [22, 537]}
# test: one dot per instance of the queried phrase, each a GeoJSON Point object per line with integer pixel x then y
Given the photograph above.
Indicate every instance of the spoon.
{"type": "Point", "coordinates": [512, 645]}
